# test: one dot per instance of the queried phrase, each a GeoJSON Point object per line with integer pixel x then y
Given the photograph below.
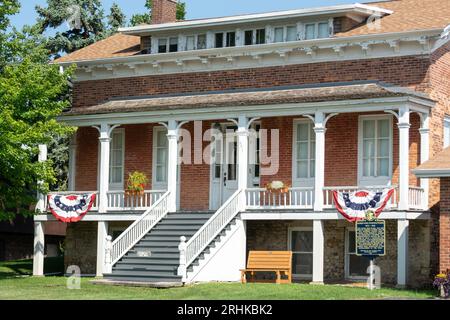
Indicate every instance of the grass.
{"type": "Point", "coordinates": [16, 284]}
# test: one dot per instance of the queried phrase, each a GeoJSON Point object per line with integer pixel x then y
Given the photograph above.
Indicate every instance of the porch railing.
{"type": "Point", "coordinates": [118, 248]}
{"type": "Point", "coordinates": [416, 198]}
{"type": "Point", "coordinates": [120, 201]}
{"type": "Point", "coordinates": [190, 250]}
{"type": "Point", "coordinates": [67, 193]}
{"type": "Point", "coordinates": [296, 198]}
{"type": "Point", "coordinates": [329, 201]}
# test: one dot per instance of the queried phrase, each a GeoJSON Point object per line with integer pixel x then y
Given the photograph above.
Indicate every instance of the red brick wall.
{"type": "Point", "coordinates": [405, 71]}
{"type": "Point", "coordinates": [86, 161]}
{"type": "Point", "coordinates": [444, 225]}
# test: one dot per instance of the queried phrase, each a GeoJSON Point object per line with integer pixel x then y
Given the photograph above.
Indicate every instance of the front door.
{"type": "Point", "coordinates": [223, 165]}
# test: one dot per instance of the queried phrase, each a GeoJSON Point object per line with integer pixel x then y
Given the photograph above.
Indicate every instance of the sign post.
{"type": "Point", "coordinates": [370, 241]}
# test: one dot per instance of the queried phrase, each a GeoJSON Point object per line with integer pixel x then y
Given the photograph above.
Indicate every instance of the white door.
{"type": "Point", "coordinates": [223, 166]}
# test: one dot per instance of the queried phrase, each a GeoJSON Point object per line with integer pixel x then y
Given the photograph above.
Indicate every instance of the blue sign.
{"type": "Point", "coordinates": [370, 238]}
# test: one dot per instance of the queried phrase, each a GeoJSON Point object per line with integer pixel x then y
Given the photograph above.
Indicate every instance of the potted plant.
{"type": "Point", "coordinates": [442, 282]}
{"type": "Point", "coordinates": [277, 187]}
{"type": "Point", "coordinates": [136, 183]}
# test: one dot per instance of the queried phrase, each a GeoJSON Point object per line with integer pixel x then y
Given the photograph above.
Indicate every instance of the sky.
{"type": "Point", "coordinates": [195, 8]}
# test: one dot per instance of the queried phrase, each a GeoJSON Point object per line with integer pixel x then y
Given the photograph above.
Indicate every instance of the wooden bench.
{"type": "Point", "coordinates": [269, 261]}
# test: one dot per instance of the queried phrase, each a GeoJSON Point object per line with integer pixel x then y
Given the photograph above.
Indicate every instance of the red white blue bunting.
{"type": "Point", "coordinates": [354, 205]}
{"type": "Point", "coordinates": [70, 208]}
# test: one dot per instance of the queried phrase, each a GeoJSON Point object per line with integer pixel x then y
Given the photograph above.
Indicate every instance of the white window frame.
{"type": "Point", "coordinates": [224, 38]}
{"type": "Point", "coordinates": [316, 29]}
{"type": "Point", "coordinates": [157, 185]}
{"type": "Point", "coordinates": [117, 185]}
{"type": "Point", "coordinates": [254, 31]}
{"type": "Point", "coordinates": [168, 44]}
{"type": "Point", "coordinates": [378, 180]}
{"type": "Point", "coordinates": [285, 33]}
{"type": "Point", "coordinates": [347, 256]}
{"type": "Point", "coordinates": [446, 131]}
{"type": "Point", "coordinates": [290, 229]}
{"type": "Point", "coordinates": [253, 144]}
{"type": "Point", "coordinates": [301, 182]}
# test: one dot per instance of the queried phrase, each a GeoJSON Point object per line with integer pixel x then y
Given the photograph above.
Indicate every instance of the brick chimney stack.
{"type": "Point", "coordinates": [164, 11]}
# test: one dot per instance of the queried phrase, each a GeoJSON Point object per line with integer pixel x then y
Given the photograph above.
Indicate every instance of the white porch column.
{"type": "Point", "coordinates": [242, 158]}
{"type": "Point", "coordinates": [42, 157]}
{"type": "Point", "coordinates": [319, 129]}
{"type": "Point", "coordinates": [402, 252]}
{"type": "Point", "coordinates": [403, 128]}
{"type": "Point", "coordinates": [72, 162]}
{"type": "Point", "coordinates": [318, 251]}
{"type": "Point", "coordinates": [172, 135]}
{"type": "Point", "coordinates": [102, 233]}
{"type": "Point", "coordinates": [104, 167]}
{"type": "Point", "coordinates": [425, 154]}
{"type": "Point", "coordinates": [38, 251]}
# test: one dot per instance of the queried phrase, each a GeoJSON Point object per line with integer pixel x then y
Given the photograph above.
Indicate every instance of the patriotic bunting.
{"type": "Point", "coordinates": [70, 208]}
{"type": "Point", "coordinates": [354, 205]}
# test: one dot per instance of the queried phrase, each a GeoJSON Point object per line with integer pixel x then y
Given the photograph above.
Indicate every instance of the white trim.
{"type": "Point", "coordinates": [362, 9]}
{"type": "Point", "coordinates": [158, 185]}
{"type": "Point", "coordinates": [302, 182]}
{"type": "Point", "coordinates": [431, 173]}
{"type": "Point", "coordinates": [290, 230]}
{"type": "Point", "coordinates": [379, 180]}
{"type": "Point", "coordinates": [446, 131]}
{"type": "Point", "coordinates": [330, 215]}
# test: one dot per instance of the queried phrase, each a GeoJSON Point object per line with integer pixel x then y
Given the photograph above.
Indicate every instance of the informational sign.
{"type": "Point", "coordinates": [371, 238]}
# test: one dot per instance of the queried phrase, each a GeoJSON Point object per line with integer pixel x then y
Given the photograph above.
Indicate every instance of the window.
{"type": "Point", "coordinates": [376, 147]}
{"type": "Point", "coordinates": [305, 150]}
{"type": "Point", "coordinates": [162, 45]}
{"type": "Point", "coordinates": [173, 44]}
{"type": "Point", "coordinates": [446, 132]}
{"type": "Point", "coordinates": [146, 45]}
{"type": "Point", "coordinates": [301, 245]}
{"type": "Point", "coordinates": [116, 159]}
{"type": "Point", "coordinates": [310, 31]}
{"type": "Point", "coordinates": [355, 266]}
{"type": "Point", "coordinates": [291, 33]}
{"type": "Point", "coordinates": [231, 39]}
{"type": "Point", "coordinates": [255, 37]}
{"type": "Point", "coordinates": [160, 155]}
{"type": "Point", "coordinates": [219, 40]}
{"type": "Point", "coordinates": [201, 41]}
{"type": "Point", "coordinates": [317, 30]}
{"type": "Point", "coordinates": [254, 153]}
{"type": "Point", "coordinates": [190, 43]}
{"type": "Point", "coordinates": [278, 34]}
{"type": "Point", "coordinates": [260, 36]}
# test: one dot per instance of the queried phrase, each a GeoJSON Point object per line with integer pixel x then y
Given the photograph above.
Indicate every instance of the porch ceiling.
{"type": "Point", "coordinates": [252, 97]}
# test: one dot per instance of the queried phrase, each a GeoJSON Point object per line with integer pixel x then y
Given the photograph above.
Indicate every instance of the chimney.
{"type": "Point", "coordinates": [164, 11]}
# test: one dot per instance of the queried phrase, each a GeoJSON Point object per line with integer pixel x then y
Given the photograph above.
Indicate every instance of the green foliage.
{"type": "Point", "coordinates": [146, 18]}
{"type": "Point", "coordinates": [116, 18]}
{"type": "Point", "coordinates": [32, 94]}
{"type": "Point", "coordinates": [136, 181]}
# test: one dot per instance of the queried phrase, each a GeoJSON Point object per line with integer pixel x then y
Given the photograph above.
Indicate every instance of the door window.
{"type": "Point", "coordinates": [356, 265]}
{"type": "Point", "coordinates": [301, 245]}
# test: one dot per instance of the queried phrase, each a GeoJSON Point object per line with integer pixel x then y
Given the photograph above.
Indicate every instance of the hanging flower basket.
{"type": "Point", "coordinates": [136, 183]}
{"type": "Point", "coordinates": [277, 187]}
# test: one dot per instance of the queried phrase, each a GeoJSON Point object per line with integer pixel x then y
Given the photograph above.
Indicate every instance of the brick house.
{"type": "Point", "coordinates": [340, 98]}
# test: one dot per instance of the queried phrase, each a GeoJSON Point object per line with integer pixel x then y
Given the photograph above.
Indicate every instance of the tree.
{"type": "Point", "coordinates": [32, 94]}
{"type": "Point", "coordinates": [84, 17]}
{"type": "Point", "coordinates": [7, 8]}
{"type": "Point", "coordinates": [116, 18]}
{"type": "Point", "coordinates": [146, 18]}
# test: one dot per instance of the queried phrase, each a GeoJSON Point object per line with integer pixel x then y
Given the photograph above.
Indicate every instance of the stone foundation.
{"type": "Point", "coordinates": [273, 235]}
{"type": "Point", "coordinates": [81, 244]}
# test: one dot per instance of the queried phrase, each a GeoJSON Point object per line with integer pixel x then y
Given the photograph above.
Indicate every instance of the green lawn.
{"type": "Point", "coordinates": [15, 284]}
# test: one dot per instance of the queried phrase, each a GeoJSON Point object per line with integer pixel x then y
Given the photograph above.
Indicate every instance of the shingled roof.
{"type": "Point", "coordinates": [408, 15]}
{"type": "Point", "coordinates": [251, 97]}
{"type": "Point", "coordinates": [437, 167]}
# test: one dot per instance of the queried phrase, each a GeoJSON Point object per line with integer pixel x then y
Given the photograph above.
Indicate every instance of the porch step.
{"type": "Point", "coordinates": [156, 257]}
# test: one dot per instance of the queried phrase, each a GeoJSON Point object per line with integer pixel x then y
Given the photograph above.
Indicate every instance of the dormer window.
{"type": "Point", "coordinates": [317, 30]}
{"type": "Point", "coordinates": [257, 36]}
{"type": "Point", "coordinates": [173, 44]}
{"type": "Point", "coordinates": [162, 45]}
{"type": "Point", "coordinates": [167, 45]}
